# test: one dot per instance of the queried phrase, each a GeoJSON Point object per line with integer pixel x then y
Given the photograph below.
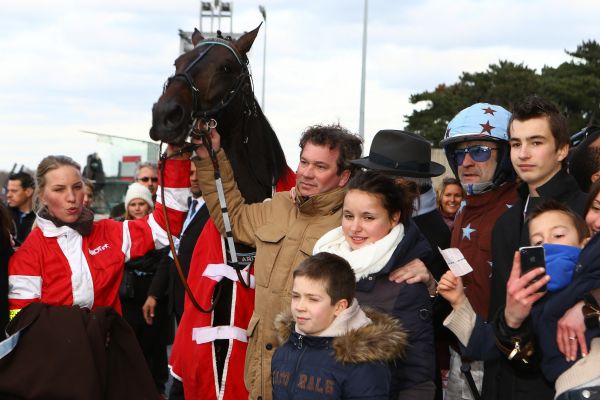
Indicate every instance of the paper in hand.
{"type": "Point", "coordinates": [456, 261]}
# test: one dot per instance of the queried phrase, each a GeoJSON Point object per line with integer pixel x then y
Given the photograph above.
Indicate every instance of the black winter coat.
{"type": "Point", "coordinates": [410, 304]}
{"type": "Point", "coordinates": [501, 380]}
{"type": "Point", "coordinates": [435, 230]}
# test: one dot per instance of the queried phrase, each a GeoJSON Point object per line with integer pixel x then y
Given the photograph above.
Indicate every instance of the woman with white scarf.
{"type": "Point", "coordinates": [377, 236]}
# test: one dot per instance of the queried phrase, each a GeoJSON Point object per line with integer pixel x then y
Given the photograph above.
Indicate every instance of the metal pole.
{"type": "Point", "coordinates": [361, 123]}
{"type": "Point", "coordinates": [263, 11]}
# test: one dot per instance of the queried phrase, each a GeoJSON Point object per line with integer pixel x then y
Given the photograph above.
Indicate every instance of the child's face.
{"type": "Point", "coordinates": [311, 306]}
{"type": "Point", "coordinates": [364, 219]}
{"type": "Point", "coordinates": [592, 218]}
{"type": "Point", "coordinates": [553, 227]}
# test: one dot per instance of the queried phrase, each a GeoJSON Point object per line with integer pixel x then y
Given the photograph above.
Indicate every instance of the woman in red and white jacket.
{"type": "Point", "coordinates": [69, 259]}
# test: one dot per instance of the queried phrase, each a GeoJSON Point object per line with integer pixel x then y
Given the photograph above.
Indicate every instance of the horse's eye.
{"type": "Point", "coordinates": [226, 69]}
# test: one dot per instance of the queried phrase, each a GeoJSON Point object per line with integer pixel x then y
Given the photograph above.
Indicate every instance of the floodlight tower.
{"type": "Point", "coordinates": [209, 12]}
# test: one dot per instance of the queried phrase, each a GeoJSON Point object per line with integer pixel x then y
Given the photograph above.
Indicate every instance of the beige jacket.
{"type": "Point", "coordinates": [284, 233]}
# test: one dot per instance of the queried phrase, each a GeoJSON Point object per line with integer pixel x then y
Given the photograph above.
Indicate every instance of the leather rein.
{"type": "Point", "coordinates": [202, 122]}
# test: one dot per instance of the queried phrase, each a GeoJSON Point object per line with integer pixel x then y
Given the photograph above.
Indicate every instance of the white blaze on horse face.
{"type": "Point", "coordinates": [63, 193]}
{"type": "Point", "coordinates": [317, 172]}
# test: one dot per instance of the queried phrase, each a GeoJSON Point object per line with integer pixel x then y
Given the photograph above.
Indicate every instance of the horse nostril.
{"type": "Point", "coordinates": [174, 116]}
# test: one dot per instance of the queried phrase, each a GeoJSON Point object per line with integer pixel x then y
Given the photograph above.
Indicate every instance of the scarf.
{"type": "Point", "coordinates": [560, 264]}
{"type": "Point", "coordinates": [366, 260]}
{"type": "Point", "coordinates": [83, 225]}
{"type": "Point", "coordinates": [351, 318]}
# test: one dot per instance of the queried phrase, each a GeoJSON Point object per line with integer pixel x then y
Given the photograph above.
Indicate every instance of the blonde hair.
{"type": "Point", "coordinates": [442, 187]}
{"type": "Point", "coordinates": [50, 163]}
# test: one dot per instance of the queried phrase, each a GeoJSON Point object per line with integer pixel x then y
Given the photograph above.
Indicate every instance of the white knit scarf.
{"type": "Point", "coordinates": [366, 260]}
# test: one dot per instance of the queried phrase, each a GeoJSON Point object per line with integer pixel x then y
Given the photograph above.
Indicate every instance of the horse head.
{"type": "Point", "coordinates": [206, 80]}
{"type": "Point", "coordinates": [213, 81]}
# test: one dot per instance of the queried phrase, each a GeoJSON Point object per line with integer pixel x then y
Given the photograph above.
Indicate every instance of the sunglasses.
{"type": "Point", "coordinates": [147, 178]}
{"type": "Point", "coordinates": [478, 153]}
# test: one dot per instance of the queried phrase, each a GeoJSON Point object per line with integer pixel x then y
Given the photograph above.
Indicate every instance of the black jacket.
{"type": "Point", "coordinates": [187, 242]}
{"type": "Point", "coordinates": [435, 230]}
{"type": "Point", "coordinates": [410, 304]}
{"type": "Point", "coordinates": [501, 379]}
{"type": "Point", "coordinates": [5, 252]}
{"type": "Point", "coordinates": [22, 226]}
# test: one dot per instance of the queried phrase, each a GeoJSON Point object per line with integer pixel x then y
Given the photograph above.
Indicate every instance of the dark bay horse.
{"type": "Point", "coordinates": [213, 81]}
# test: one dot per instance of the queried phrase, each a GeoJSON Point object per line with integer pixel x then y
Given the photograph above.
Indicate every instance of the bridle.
{"type": "Point", "coordinates": [197, 113]}
{"type": "Point", "coordinates": [202, 123]}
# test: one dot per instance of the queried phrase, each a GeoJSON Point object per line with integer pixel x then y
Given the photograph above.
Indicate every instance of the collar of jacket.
{"type": "Point", "coordinates": [83, 225]}
{"type": "Point", "coordinates": [382, 340]}
{"type": "Point", "coordinates": [559, 186]}
{"type": "Point", "coordinates": [321, 204]}
{"type": "Point", "coordinates": [425, 203]}
{"type": "Point", "coordinates": [50, 230]}
{"type": "Point", "coordinates": [484, 199]}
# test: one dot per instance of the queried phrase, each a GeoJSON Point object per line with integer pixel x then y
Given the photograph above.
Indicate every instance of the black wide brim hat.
{"type": "Point", "coordinates": [400, 153]}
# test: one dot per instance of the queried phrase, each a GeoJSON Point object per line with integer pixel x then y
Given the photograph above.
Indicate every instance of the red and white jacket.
{"type": "Point", "coordinates": [58, 266]}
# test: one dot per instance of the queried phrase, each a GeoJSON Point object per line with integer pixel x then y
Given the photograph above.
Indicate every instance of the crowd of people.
{"type": "Point", "coordinates": [342, 289]}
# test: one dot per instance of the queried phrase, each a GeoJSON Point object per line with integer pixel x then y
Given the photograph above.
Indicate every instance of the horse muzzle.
{"type": "Point", "coordinates": [170, 122]}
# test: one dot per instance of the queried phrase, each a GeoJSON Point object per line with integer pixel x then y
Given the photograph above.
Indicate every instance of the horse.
{"type": "Point", "coordinates": [213, 82]}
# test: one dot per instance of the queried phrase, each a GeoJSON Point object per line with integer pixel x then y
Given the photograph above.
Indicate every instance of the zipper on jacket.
{"type": "Point", "coordinates": [293, 375]}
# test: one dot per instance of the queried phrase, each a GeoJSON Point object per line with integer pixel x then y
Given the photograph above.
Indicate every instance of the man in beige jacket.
{"type": "Point", "coordinates": [283, 230]}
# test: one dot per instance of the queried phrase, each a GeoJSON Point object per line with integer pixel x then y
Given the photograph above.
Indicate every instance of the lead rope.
{"type": "Point", "coordinates": [200, 131]}
{"type": "Point", "coordinates": [184, 282]}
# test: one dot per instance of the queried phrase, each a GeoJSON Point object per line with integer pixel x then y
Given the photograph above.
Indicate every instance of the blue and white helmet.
{"type": "Point", "coordinates": [481, 121]}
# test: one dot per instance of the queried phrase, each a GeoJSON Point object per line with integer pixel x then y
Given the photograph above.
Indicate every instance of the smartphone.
{"type": "Point", "coordinates": [532, 257]}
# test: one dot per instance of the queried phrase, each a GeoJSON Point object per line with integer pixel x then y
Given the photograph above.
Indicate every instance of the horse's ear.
{"type": "Point", "coordinates": [245, 41]}
{"type": "Point", "coordinates": [196, 37]}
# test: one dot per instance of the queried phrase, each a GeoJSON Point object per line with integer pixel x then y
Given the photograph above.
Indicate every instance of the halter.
{"type": "Point", "coordinates": [197, 113]}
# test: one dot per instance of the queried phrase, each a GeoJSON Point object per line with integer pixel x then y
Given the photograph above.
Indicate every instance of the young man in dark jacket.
{"type": "Point", "coordinates": [539, 143]}
{"type": "Point", "coordinates": [331, 348]}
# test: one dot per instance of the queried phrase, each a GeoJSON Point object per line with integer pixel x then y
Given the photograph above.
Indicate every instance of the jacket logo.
{"type": "Point", "coordinates": [98, 249]}
{"type": "Point", "coordinates": [281, 378]}
{"type": "Point", "coordinates": [305, 382]}
{"type": "Point", "coordinates": [314, 384]}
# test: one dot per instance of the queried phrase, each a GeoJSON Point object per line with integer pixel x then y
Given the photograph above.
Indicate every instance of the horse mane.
{"type": "Point", "coordinates": [251, 144]}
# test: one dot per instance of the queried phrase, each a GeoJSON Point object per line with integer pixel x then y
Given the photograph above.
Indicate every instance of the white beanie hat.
{"type": "Point", "coordinates": [138, 191]}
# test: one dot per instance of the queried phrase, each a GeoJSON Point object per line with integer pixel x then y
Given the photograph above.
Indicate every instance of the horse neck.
{"type": "Point", "coordinates": [252, 147]}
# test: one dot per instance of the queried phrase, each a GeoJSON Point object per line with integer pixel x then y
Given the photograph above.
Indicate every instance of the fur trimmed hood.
{"type": "Point", "coordinates": [382, 340]}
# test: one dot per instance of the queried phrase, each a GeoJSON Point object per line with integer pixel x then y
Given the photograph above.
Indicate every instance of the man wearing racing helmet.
{"type": "Point", "coordinates": [477, 148]}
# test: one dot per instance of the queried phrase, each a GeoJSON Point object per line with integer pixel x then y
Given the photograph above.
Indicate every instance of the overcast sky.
{"type": "Point", "coordinates": [99, 65]}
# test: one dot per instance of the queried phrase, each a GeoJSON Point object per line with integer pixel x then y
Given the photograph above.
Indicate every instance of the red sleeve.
{"type": "Point", "coordinates": [286, 181]}
{"type": "Point", "coordinates": [24, 276]}
{"type": "Point", "coordinates": [143, 235]}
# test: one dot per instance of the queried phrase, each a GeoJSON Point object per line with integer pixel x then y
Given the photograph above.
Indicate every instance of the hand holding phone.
{"type": "Point", "coordinates": [532, 257]}
{"type": "Point", "coordinates": [520, 295]}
